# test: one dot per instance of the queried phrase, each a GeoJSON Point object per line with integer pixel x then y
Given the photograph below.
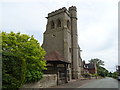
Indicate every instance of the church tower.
{"type": "Point", "coordinates": [61, 36]}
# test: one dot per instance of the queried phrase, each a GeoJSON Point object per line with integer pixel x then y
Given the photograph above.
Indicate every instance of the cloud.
{"type": "Point", "coordinates": [99, 32]}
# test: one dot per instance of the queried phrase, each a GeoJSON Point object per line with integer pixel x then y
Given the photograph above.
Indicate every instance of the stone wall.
{"type": "Point", "coordinates": [48, 80]}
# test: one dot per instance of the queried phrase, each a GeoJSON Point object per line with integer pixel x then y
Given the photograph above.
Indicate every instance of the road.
{"type": "Point", "coordinates": [93, 83]}
{"type": "Point", "coordinates": [102, 83]}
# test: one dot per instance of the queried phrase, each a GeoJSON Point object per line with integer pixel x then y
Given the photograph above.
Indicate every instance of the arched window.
{"type": "Point", "coordinates": [58, 23]}
{"type": "Point", "coordinates": [68, 24]}
{"type": "Point", "coordinates": [52, 24]}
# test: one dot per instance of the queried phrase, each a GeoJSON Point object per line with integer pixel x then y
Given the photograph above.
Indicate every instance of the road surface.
{"type": "Point", "coordinates": [93, 83]}
{"type": "Point", "coordinates": [102, 83]}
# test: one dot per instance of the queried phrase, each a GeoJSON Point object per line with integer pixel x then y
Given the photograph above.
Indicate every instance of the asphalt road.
{"type": "Point", "coordinates": [102, 83]}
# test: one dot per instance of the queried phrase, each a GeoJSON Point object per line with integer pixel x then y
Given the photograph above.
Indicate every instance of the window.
{"type": "Point", "coordinates": [68, 24]}
{"type": "Point", "coordinates": [58, 23]}
{"type": "Point", "coordinates": [52, 24]}
{"type": "Point", "coordinates": [70, 50]}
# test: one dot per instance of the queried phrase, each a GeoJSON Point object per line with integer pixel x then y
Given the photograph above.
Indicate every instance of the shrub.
{"type": "Point", "coordinates": [115, 75]}
{"type": "Point", "coordinates": [94, 75]}
{"type": "Point", "coordinates": [23, 59]}
{"type": "Point", "coordinates": [13, 72]}
{"type": "Point", "coordinates": [86, 75]}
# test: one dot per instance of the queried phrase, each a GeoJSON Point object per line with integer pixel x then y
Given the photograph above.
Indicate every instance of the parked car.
{"type": "Point", "coordinates": [119, 78]}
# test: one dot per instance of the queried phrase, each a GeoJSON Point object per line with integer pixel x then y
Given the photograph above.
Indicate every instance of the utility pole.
{"type": "Point", "coordinates": [119, 69]}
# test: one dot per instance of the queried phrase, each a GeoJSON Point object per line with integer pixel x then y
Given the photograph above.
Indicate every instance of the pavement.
{"type": "Point", "coordinates": [74, 83]}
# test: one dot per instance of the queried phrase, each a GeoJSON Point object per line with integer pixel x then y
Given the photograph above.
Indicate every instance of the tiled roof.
{"type": "Point", "coordinates": [90, 66]}
{"type": "Point", "coordinates": [55, 56]}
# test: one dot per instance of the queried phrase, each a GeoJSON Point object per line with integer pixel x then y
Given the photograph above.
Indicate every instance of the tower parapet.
{"type": "Point", "coordinates": [73, 12]}
{"type": "Point", "coordinates": [61, 10]}
{"type": "Point", "coordinates": [72, 8]}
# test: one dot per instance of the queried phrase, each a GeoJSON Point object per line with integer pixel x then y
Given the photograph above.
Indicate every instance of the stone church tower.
{"type": "Point", "coordinates": [61, 35]}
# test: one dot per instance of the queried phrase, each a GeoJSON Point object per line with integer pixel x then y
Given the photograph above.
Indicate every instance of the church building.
{"type": "Point", "coordinates": [61, 44]}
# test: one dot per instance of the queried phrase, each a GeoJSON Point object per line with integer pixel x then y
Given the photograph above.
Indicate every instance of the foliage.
{"type": "Point", "coordinates": [23, 59]}
{"type": "Point", "coordinates": [115, 75]}
{"type": "Point", "coordinates": [97, 61]}
{"type": "Point", "coordinates": [110, 74]}
{"type": "Point", "coordinates": [86, 75]}
{"type": "Point", "coordinates": [101, 71]}
{"type": "Point", "coordinates": [94, 75]}
{"type": "Point", "coordinates": [13, 72]}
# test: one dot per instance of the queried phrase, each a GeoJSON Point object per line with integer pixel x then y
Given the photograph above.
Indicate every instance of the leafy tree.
{"type": "Point", "coordinates": [115, 74]}
{"type": "Point", "coordinates": [100, 70]}
{"type": "Point", "coordinates": [23, 59]}
{"type": "Point", "coordinates": [110, 74]}
{"type": "Point", "coordinates": [97, 61]}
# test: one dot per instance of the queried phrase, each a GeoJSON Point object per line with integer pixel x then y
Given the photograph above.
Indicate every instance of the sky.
{"type": "Point", "coordinates": [97, 24]}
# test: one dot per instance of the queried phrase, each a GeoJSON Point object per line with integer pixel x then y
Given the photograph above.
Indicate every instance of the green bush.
{"type": "Point", "coordinates": [94, 75]}
{"type": "Point", "coordinates": [22, 59]}
{"type": "Point", "coordinates": [86, 75]}
{"type": "Point", "coordinates": [115, 75]}
{"type": "Point", "coordinates": [13, 72]}
{"type": "Point", "coordinates": [10, 82]}
{"type": "Point", "coordinates": [33, 76]}
{"type": "Point", "coordinates": [103, 72]}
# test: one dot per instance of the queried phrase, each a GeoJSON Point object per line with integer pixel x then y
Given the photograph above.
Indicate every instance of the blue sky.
{"type": "Point", "coordinates": [97, 24]}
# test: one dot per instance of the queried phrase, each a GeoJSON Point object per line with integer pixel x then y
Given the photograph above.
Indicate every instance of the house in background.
{"type": "Point", "coordinates": [89, 68]}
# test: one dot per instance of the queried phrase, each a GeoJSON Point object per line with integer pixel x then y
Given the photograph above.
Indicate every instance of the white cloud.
{"type": "Point", "coordinates": [98, 33]}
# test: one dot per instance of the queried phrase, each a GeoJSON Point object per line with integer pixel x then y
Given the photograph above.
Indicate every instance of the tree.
{"type": "Point", "coordinates": [115, 75]}
{"type": "Point", "coordinates": [100, 70]}
{"type": "Point", "coordinates": [22, 59]}
{"type": "Point", "coordinates": [110, 74]}
{"type": "Point", "coordinates": [97, 61]}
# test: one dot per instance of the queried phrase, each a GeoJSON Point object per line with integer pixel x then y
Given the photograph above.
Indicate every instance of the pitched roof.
{"type": "Point", "coordinates": [90, 66]}
{"type": "Point", "coordinates": [55, 56]}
